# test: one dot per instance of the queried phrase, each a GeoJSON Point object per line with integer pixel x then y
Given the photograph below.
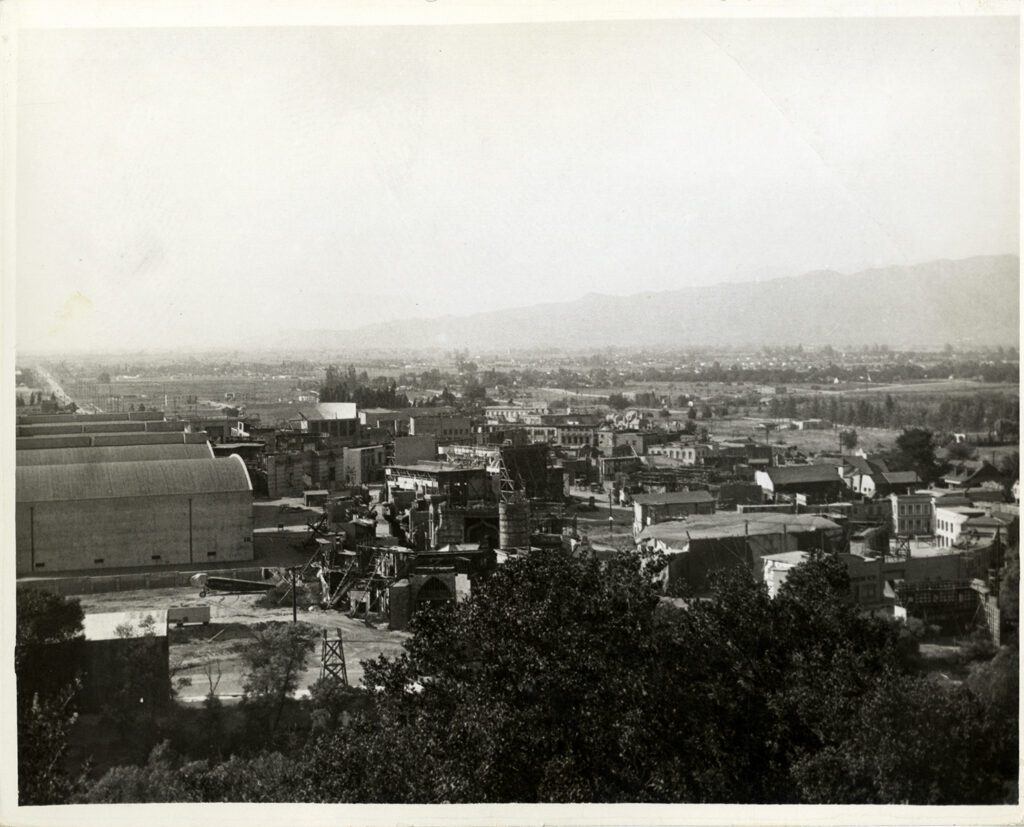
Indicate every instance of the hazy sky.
{"type": "Point", "coordinates": [210, 185]}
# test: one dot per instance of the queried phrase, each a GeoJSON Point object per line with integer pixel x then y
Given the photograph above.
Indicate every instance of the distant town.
{"type": "Point", "coordinates": [188, 510]}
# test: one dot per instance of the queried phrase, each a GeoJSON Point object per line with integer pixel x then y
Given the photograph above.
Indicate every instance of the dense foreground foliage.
{"type": "Point", "coordinates": [565, 679]}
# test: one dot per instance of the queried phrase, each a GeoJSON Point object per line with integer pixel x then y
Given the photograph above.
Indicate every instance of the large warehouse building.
{"type": "Point", "coordinates": [117, 510]}
{"type": "Point", "coordinates": [115, 453]}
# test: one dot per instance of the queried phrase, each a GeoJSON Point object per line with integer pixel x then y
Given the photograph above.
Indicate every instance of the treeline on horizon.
{"type": "Point", "coordinates": [994, 413]}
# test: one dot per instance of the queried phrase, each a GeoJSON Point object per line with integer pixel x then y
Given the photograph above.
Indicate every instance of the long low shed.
{"type": "Point", "coordinates": [102, 515]}
{"type": "Point", "coordinates": [27, 443]}
{"type": "Point", "coordinates": [86, 427]}
{"type": "Point", "coordinates": [129, 416]}
{"type": "Point", "coordinates": [114, 453]}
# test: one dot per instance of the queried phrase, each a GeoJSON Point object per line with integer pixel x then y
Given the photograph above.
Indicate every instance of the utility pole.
{"type": "Point", "coordinates": [295, 615]}
{"type": "Point", "coordinates": [611, 518]}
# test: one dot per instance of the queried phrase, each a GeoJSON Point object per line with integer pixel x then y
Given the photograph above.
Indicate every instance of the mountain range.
{"type": "Point", "coordinates": [974, 301]}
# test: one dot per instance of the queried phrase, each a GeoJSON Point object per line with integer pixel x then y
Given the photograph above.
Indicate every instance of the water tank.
{"type": "Point", "coordinates": [513, 525]}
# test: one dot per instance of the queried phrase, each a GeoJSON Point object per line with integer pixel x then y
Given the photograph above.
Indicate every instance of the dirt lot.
{"type": "Point", "coordinates": [871, 439]}
{"type": "Point", "coordinates": [220, 643]}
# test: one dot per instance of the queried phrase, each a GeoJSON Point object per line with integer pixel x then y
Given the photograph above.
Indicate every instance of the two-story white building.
{"type": "Point", "coordinates": [912, 514]}
{"type": "Point", "coordinates": [949, 522]}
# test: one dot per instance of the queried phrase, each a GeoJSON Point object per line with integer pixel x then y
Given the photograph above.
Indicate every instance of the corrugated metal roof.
{"type": "Point", "coordinates": [109, 480]}
{"type": "Point", "coordinates": [148, 438]}
{"type": "Point", "coordinates": [56, 428]}
{"type": "Point", "coordinates": [797, 474]}
{"type": "Point", "coordinates": [28, 443]}
{"type": "Point", "coordinates": [130, 416]}
{"type": "Point", "coordinates": [114, 453]}
{"type": "Point", "coordinates": [674, 498]}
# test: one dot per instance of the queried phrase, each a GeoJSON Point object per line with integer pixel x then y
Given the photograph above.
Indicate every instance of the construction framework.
{"type": "Point", "coordinates": [332, 659]}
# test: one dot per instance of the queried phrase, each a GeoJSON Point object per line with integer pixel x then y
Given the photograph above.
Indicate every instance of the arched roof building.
{"type": "Point", "coordinates": [114, 453]}
{"type": "Point", "coordinates": [106, 514]}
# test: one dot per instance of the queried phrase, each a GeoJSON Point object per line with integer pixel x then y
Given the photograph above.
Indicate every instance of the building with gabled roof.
{"type": "Point", "coordinates": [814, 483]}
{"type": "Point", "coordinates": [650, 509]}
{"type": "Point", "coordinates": [969, 474]}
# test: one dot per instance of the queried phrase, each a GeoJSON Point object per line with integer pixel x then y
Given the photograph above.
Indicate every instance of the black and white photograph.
{"type": "Point", "coordinates": [537, 413]}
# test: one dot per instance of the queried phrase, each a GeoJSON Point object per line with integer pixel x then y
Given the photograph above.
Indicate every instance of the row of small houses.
{"type": "Point", "coordinates": [896, 498]}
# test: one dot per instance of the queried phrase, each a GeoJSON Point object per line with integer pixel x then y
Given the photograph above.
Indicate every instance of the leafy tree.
{"type": "Point", "coordinates": [508, 696]}
{"type": "Point", "coordinates": [848, 439]}
{"type": "Point", "coordinates": [561, 680]}
{"type": "Point", "coordinates": [1009, 589]}
{"type": "Point", "coordinates": [267, 777]}
{"type": "Point", "coordinates": [473, 391]}
{"type": "Point", "coordinates": [48, 638]}
{"type": "Point", "coordinates": [158, 780]}
{"type": "Point", "coordinates": [618, 401]}
{"type": "Point", "coordinates": [915, 451]}
{"type": "Point", "coordinates": [137, 696]}
{"type": "Point", "coordinates": [332, 704]}
{"type": "Point", "coordinates": [907, 743]}
{"type": "Point", "coordinates": [1009, 465]}
{"type": "Point", "coordinates": [275, 659]}
{"type": "Point", "coordinates": [44, 723]}
{"type": "Point", "coordinates": [961, 451]}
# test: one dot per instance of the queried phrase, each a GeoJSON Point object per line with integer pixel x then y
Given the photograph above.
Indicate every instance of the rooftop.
{"type": "Point", "coordinates": [792, 557]}
{"type": "Point", "coordinates": [112, 480]}
{"type": "Point", "coordinates": [329, 410]}
{"type": "Point", "coordinates": [733, 524]}
{"type": "Point", "coordinates": [674, 498]}
{"type": "Point", "coordinates": [900, 477]}
{"type": "Point", "coordinates": [796, 474]}
{"type": "Point", "coordinates": [427, 466]}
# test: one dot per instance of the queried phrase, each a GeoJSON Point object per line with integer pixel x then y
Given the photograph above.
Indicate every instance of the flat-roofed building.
{"type": "Point", "coordinates": [912, 514]}
{"type": "Point", "coordinates": [459, 484]}
{"type": "Point", "coordinates": [334, 419]}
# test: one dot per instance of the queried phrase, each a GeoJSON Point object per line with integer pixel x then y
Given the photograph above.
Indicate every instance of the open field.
{"type": "Point", "coordinates": [947, 387]}
{"type": "Point", "coordinates": [175, 393]}
{"type": "Point", "coordinates": [221, 642]}
{"type": "Point", "coordinates": [870, 439]}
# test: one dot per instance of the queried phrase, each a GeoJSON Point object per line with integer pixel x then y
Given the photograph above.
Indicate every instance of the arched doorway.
{"type": "Point", "coordinates": [434, 590]}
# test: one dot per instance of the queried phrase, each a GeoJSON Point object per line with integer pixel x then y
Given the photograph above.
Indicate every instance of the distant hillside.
{"type": "Point", "coordinates": [972, 301]}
